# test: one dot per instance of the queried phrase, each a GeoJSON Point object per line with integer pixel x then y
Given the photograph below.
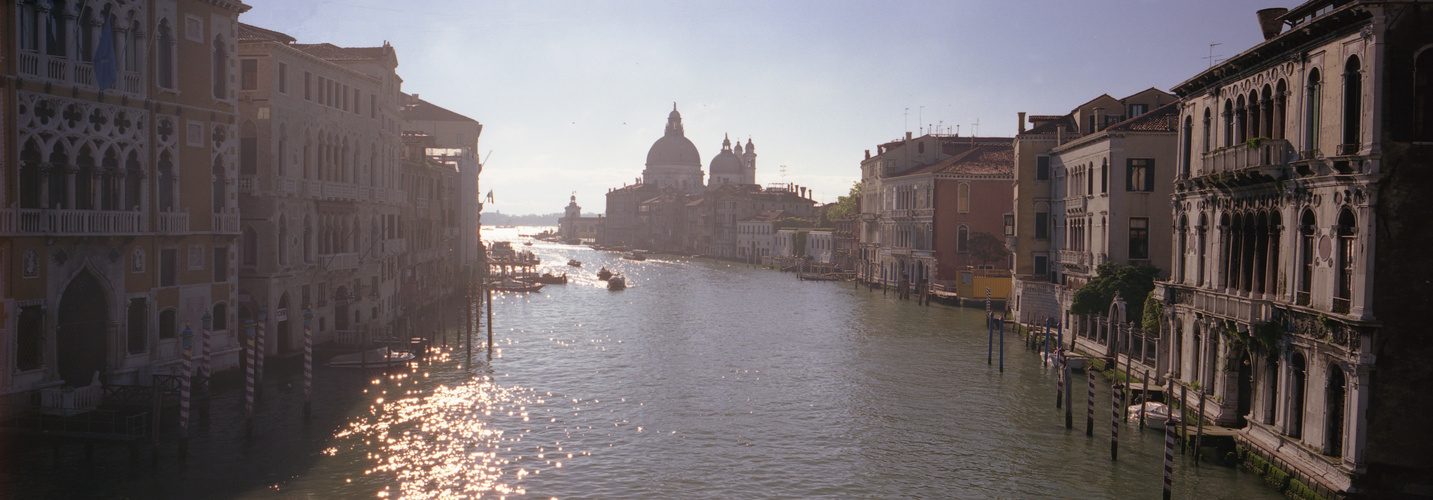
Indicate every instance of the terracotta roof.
{"type": "Point", "coordinates": [421, 110]}
{"type": "Point", "coordinates": [331, 52]}
{"type": "Point", "coordinates": [766, 216]}
{"type": "Point", "coordinates": [1050, 126]}
{"type": "Point", "coordinates": [1162, 119]}
{"type": "Point", "coordinates": [251, 33]}
{"type": "Point", "coordinates": [983, 160]}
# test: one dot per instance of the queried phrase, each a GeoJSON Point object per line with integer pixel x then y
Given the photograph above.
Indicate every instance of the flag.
{"type": "Point", "coordinates": [490, 196]}
{"type": "Point", "coordinates": [105, 67]}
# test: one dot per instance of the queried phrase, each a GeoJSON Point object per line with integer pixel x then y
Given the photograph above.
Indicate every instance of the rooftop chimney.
{"type": "Point", "coordinates": [868, 154]}
{"type": "Point", "coordinates": [1269, 21]}
{"type": "Point", "coordinates": [1099, 120]}
{"type": "Point", "coordinates": [1059, 134]}
{"type": "Point", "coordinates": [1022, 121]}
{"type": "Point", "coordinates": [908, 136]}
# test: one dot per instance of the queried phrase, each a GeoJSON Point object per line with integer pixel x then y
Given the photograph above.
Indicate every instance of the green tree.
{"type": "Point", "coordinates": [1133, 283]}
{"type": "Point", "coordinates": [846, 206]}
{"type": "Point", "coordinates": [986, 248]}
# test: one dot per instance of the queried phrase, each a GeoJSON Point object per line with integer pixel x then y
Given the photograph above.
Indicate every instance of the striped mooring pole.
{"type": "Point", "coordinates": [308, 364]}
{"type": "Point", "coordinates": [1090, 407]}
{"type": "Point", "coordinates": [249, 378]}
{"type": "Point", "coordinates": [1059, 382]}
{"type": "Point", "coordinates": [187, 366]}
{"type": "Point", "coordinates": [205, 334]}
{"type": "Point", "coordinates": [990, 329]}
{"type": "Point", "coordinates": [1115, 422]}
{"type": "Point", "coordinates": [259, 352]}
{"type": "Point", "coordinates": [1169, 437]}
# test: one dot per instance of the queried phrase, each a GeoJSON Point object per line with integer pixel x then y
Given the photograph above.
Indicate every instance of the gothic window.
{"type": "Point", "coordinates": [137, 329]}
{"type": "Point", "coordinates": [134, 182]}
{"type": "Point", "coordinates": [85, 39]}
{"type": "Point", "coordinates": [165, 63]}
{"type": "Point", "coordinates": [1281, 105]}
{"type": "Point", "coordinates": [1347, 239]}
{"type": "Point", "coordinates": [1228, 123]}
{"type": "Point", "coordinates": [1207, 131]}
{"type": "Point", "coordinates": [1188, 146]}
{"type": "Point", "coordinates": [58, 27]}
{"type": "Point", "coordinates": [1306, 257]}
{"type": "Point", "coordinates": [30, 338]}
{"type": "Point", "coordinates": [1352, 111]}
{"type": "Point", "coordinates": [30, 172]}
{"type": "Point", "coordinates": [1315, 108]}
{"type": "Point", "coordinates": [220, 66]}
{"type": "Point", "coordinates": [59, 165]}
{"type": "Point", "coordinates": [85, 179]}
{"type": "Point", "coordinates": [167, 182]}
{"type": "Point", "coordinates": [220, 188]}
{"type": "Point", "coordinates": [1423, 97]}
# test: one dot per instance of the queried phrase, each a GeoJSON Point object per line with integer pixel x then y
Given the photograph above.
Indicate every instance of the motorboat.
{"type": "Point", "coordinates": [634, 255]}
{"type": "Point", "coordinates": [604, 274]}
{"type": "Point", "coordinates": [1156, 414]}
{"type": "Point", "coordinates": [372, 357]}
{"type": "Point", "coordinates": [527, 243]}
{"type": "Point", "coordinates": [617, 283]}
{"type": "Point", "coordinates": [574, 263]}
{"type": "Point", "coordinates": [549, 279]}
{"type": "Point", "coordinates": [512, 285]}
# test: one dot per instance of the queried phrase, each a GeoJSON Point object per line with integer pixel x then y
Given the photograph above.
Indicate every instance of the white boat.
{"type": "Point", "coordinates": [1155, 414]}
{"type": "Point", "coordinates": [373, 357]}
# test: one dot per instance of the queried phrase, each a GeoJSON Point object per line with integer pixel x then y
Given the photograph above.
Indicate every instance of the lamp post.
{"type": "Point", "coordinates": [308, 364]}
{"type": "Point", "coordinates": [187, 366]}
{"type": "Point", "coordinates": [249, 378]}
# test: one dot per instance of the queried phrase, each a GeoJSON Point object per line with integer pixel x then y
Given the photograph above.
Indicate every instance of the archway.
{"type": "Point", "coordinates": [80, 334]}
{"type": "Point", "coordinates": [1246, 389]}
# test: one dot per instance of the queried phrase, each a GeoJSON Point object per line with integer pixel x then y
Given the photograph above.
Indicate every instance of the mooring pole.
{"type": "Point", "coordinates": [468, 305]}
{"type": "Point", "coordinates": [308, 364]}
{"type": "Point", "coordinates": [1168, 460]}
{"type": "Point", "coordinates": [1059, 384]}
{"type": "Point", "coordinates": [1002, 342]}
{"type": "Point", "coordinates": [1070, 402]}
{"type": "Point", "coordinates": [187, 366]}
{"type": "Point", "coordinates": [1199, 431]}
{"type": "Point", "coordinates": [990, 327]}
{"type": "Point", "coordinates": [259, 352]}
{"type": "Point", "coordinates": [490, 324]}
{"type": "Point", "coordinates": [1183, 419]}
{"type": "Point", "coordinates": [1144, 398]}
{"type": "Point", "coordinates": [1115, 420]}
{"type": "Point", "coordinates": [249, 378]}
{"type": "Point", "coordinates": [1090, 406]}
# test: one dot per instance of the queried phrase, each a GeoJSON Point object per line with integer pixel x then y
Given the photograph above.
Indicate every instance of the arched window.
{"type": "Point", "coordinates": [1347, 238]}
{"type": "Point", "coordinates": [137, 328]}
{"type": "Point", "coordinates": [1181, 253]}
{"type": "Point", "coordinates": [1201, 241]}
{"type": "Point", "coordinates": [1314, 109]}
{"type": "Point", "coordinates": [1281, 104]}
{"type": "Point", "coordinates": [221, 316]}
{"type": "Point", "coordinates": [166, 182]}
{"type": "Point", "coordinates": [109, 180]}
{"type": "Point", "coordinates": [58, 27]}
{"type": "Point", "coordinates": [85, 39]}
{"type": "Point", "coordinates": [168, 324]}
{"type": "Point", "coordinates": [282, 244]}
{"type": "Point", "coordinates": [308, 240]}
{"type": "Point", "coordinates": [1228, 123]}
{"type": "Point", "coordinates": [1306, 257]}
{"type": "Point", "coordinates": [1334, 410]}
{"type": "Point", "coordinates": [1352, 110]}
{"type": "Point", "coordinates": [85, 179]}
{"type": "Point", "coordinates": [1188, 147]}
{"type": "Point", "coordinates": [221, 189]}
{"type": "Point", "coordinates": [57, 195]}
{"type": "Point", "coordinates": [30, 186]}
{"type": "Point", "coordinates": [962, 238]}
{"type": "Point", "coordinates": [220, 65]}
{"type": "Point", "coordinates": [1241, 120]}
{"type": "Point", "coordinates": [164, 63]}
{"type": "Point", "coordinates": [962, 204]}
{"type": "Point", "coordinates": [1297, 379]}
{"type": "Point", "coordinates": [1423, 97]}
{"type": "Point", "coordinates": [1207, 131]}
{"type": "Point", "coordinates": [134, 182]}
{"type": "Point", "coordinates": [251, 247]}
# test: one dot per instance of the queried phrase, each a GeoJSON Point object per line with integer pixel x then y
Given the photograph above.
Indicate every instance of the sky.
{"type": "Point", "coordinates": [571, 95]}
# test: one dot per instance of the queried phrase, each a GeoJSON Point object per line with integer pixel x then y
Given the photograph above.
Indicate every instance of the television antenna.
{"type": "Point", "coordinates": [1211, 54]}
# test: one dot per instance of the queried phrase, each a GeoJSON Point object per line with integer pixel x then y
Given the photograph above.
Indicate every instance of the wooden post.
{"type": "Point", "coordinates": [1168, 460]}
{"type": "Point", "coordinates": [308, 364]}
{"type": "Point", "coordinates": [1069, 396]}
{"type": "Point", "coordinates": [1129, 377]}
{"type": "Point", "coordinates": [468, 305]}
{"type": "Point", "coordinates": [1199, 431]}
{"type": "Point", "coordinates": [490, 324]}
{"type": "Point", "coordinates": [1144, 398]}
{"type": "Point", "coordinates": [1090, 406]}
{"type": "Point", "coordinates": [1059, 385]}
{"type": "Point", "coordinates": [1183, 419]}
{"type": "Point", "coordinates": [1002, 343]}
{"type": "Point", "coordinates": [1115, 398]}
{"type": "Point", "coordinates": [187, 369]}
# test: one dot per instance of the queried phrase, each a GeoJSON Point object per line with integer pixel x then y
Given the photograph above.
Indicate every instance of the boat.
{"type": "Point", "coordinates": [371, 357]}
{"type": "Point", "coordinates": [1156, 414]}
{"type": "Point", "coordinates": [574, 263]}
{"type": "Point", "coordinates": [617, 283]}
{"type": "Point", "coordinates": [512, 285]}
{"type": "Point", "coordinates": [527, 243]}
{"type": "Point", "coordinates": [634, 255]}
{"type": "Point", "coordinates": [549, 279]}
{"type": "Point", "coordinates": [604, 274]}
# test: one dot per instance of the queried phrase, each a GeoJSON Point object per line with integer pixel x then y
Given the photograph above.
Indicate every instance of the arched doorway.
{"type": "Point", "coordinates": [285, 339]}
{"type": "Point", "coordinates": [80, 335]}
{"type": "Point", "coordinates": [1246, 389]}
{"type": "Point", "coordinates": [1296, 398]}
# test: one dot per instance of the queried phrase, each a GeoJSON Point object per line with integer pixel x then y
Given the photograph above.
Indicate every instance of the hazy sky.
{"type": "Point", "coordinates": [573, 94]}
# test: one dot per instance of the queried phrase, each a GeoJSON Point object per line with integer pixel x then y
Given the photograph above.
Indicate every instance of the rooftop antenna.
{"type": "Point", "coordinates": [1211, 54]}
{"type": "Point", "coordinates": [975, 128]}
{"type": "Point", "coordinates": [920, 118]}
{"type": "Point", "coordinates": [907, 117]}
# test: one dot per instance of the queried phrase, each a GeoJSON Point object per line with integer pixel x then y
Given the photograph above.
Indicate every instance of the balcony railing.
{"type": "Point", "coordinates": [249, 184]}
{"type": "Point", "coordinates": [1248, 310]}
{"type": "Point", "coordinates": [226, 223]}
{"type": "Point", "coordinates": [1074, 258]}
{"type": "Point", "coordinates": [1269, 152]}
{"type": "Point", "coordinates": [1075, 204]}
{"type": "Point", "coordinates": [70, 222]}
{"type": "Point", "coordinates": [288, 186]}
{"type": "Point", "coordinates": [395, 246]}
{"type": "Point", "coordinates": [173, 222]}
{"type": "Point", "coordinates": [1301, 298]}
{"type": "Point", "coordinates": [1340, 306]}
{"type": "Point", "coordinates": [69, 72]}
{"type": "Point", "coordinates": [314, 188]}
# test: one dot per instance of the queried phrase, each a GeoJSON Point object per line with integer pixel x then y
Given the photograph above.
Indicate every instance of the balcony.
{"type": "Point", "coordinates": [62, 71]}
{"type": "Point", "coordinates": [365, 193]}
{"type": "Point", "coordinates": [249, 184]}
{"type": "Point", "coordinates": [313, 189]}
{"type": "Point", "coordinates": [1075, 204]}
{"type": "Point", "coordinates": [226, 223]}
{"type": "Point", "coordinates": [1340, 306]}
{"type": "Point", "coordinates": [1268, 153]}
{"type": "Point", "coordinates": [1244, 309]}
{"type": "Point", "coordinates": [288, 186]}
{"type": "Point", "coordinates": [1075, 258]}
{"type": "Point", "coordinates": [395, 246]}
{"type": "Point", "coordinates": [339, 261]}
{"type": "Point", "coordinates": [173, 222]}
{"type": "Point", "coordinates": [70, 222]}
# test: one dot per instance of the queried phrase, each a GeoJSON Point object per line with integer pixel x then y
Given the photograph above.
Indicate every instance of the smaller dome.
{"type": "Point", "coordinates": [725, 162]}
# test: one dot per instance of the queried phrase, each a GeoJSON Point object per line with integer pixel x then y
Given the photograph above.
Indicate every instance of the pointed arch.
{"type": "Point", "coordinates": [81, 331]}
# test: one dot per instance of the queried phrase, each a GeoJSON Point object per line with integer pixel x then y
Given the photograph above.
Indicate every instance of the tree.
{"type": "Point", "coordinates": [847, 205]}
{"type": "Point", "coordinates": [986, 248]}
{"type": "Point", "coordinates": [1133, 283]}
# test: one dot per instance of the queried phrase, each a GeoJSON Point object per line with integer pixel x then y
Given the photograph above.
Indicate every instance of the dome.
{"type": "Point", "coordinates": [674, 148]}
{"type": "Point", "coordinates": [725, 162]}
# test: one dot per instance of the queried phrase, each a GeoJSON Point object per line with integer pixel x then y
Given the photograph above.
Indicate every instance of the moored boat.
{"type": "Point", "coordinates": [549, 279]}
{"type": "Point", "coordinates": [372, 357]}
{"type": "Point", "coordinates": [574, 263]}
{"type": "Point", "coordinates": [512, 285]}
{"type": "Point", "coordinates": [1156, 414]}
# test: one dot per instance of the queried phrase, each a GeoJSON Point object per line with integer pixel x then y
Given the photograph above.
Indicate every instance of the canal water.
{"type": "Point", "coordinates": [702, 380]}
